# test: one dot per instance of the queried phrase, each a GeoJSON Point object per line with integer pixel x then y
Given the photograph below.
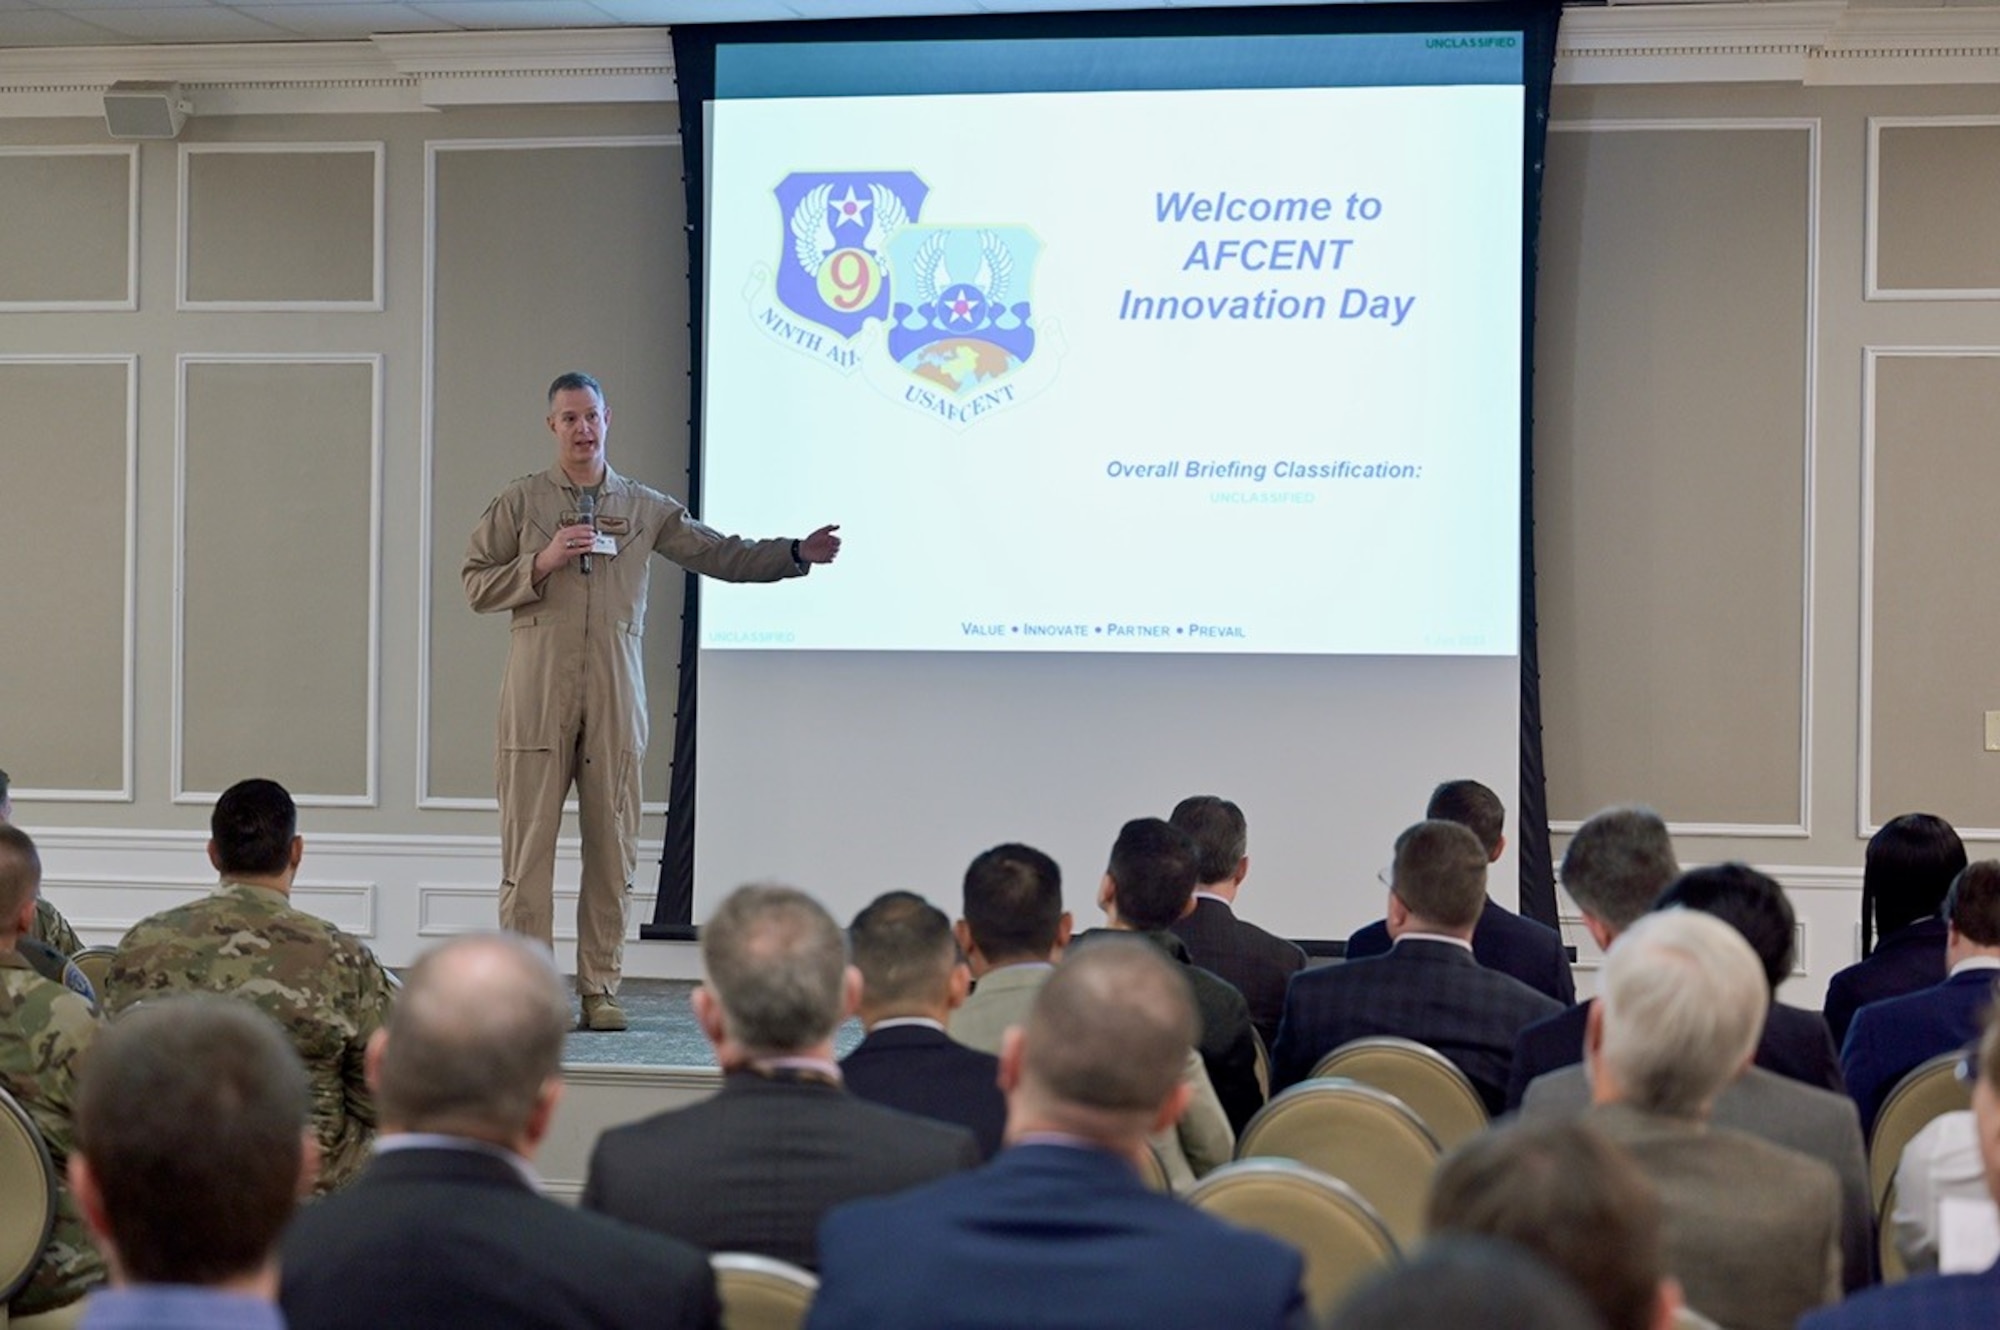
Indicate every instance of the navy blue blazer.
{"type": "Point", "coordinates": [1432, 992]}
{"type": "Point", "coordinates": [1888, 1040]}
{"type": "Point", "coordinates": [1258, 963]}
{"type": "Point", "coordinates": [1052, 1236]}
{"type": "Point", "coordinates": [1794, 1045]}
{"type": "Point", "coordinates": [1503, 941]}
{"type": "Point", "coordinates": [1908, 959]}
{"type": "Point", "coordinates": [456, 1237]}
{"type": "Point", "coordinates": [1934, 1302]}
{"type": "Point", "coordinates": [927, 1072]}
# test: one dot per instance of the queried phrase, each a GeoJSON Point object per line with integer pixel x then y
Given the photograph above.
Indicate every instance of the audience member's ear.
{"type": "Point", "coordinates": [1107, 897]}
{"type": "Point", "coordinates": [962, 933]}
{"type": "Point", "coordinates": [214, 858]}
{"type": "Point", "coordinates": [1396, 915]}
{"type": "Point", "coordinates": [23, 922]}
{"type": "Point", "coordinates": [1499, 848]}
{"type": "Point", "coordinates": [544, 1111]}
{"type": "Point", "coordinates": [308, 1162]}
{"type": "Point", "coordinates": [89, 1200]}
{"type": "Point", "coordinates": [298, 851]}
{"type": "Point", "coordinates": [1667, 1304]}
{"type": "Point", "coordinates": [1173, 1106]}
{"type": "Point", "coordinates": [371, 1060]}
{"type": "Point", "coordinates": [960, 987]}
{"type": "Point", "coordinates": [708, 1014]}
{"type": "Point", "coordinates": [1010, 1059]}
{"type": "Point", "coordinates": [850, 992]}
{"type": "Point", "coordinates": [1242, 870]}
{"type": "Point", "coordinates": [1600, 932]}
{"type": "Point", "coordinates": [1593, 1039]}
{"type": "Point", "coordinates": [1064, 926]}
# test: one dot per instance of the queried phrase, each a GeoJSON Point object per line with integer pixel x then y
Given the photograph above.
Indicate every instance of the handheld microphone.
{"type": "Point", "coordinates": [586, 515]}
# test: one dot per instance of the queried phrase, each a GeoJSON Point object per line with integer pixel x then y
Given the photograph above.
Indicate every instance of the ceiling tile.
{"type": "Point", "coordinates": [44, 28]}
{"type": "Point", "coordinates": [183, 23]}
{"type": "Point", "coordinates": [333, 20]}
{"type": "Point", "coordinates": [666, 13]}
{"type": "Point", "coordinates": [517, 13]}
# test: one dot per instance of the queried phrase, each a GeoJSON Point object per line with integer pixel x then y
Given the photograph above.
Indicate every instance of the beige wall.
{"type": "Point", "coordinates": [1769, 355]}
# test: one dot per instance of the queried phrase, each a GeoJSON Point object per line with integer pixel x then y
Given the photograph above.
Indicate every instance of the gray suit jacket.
{"type": "Point", "coordinates": [1817, 1123]}
{"type": "Point", "coordinates": [1200, 1142]}
{"type": "Point", "coordinates": [1752, 1229]}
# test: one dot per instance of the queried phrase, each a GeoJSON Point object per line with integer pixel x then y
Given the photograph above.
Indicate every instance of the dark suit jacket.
{"type": "Point", "coordinates": [1430, 991]}
{"type": "Point", "coordinates": [1050, 1236]}
{"type": "Point", "coordinates": [927, 1072]}
{"type": "Point", "coordinates": [753, 1168]}
{"type": "Point", "coordinates": [1257, 963]}
{"type": "Point", "coordinates": [442, 1237]}
{"type": "Point", "coordinates": [1934, 1302]}
{"type": "Point", "coordinates": [1794, 1045]}
{"type": "Point", "coordinates": [1228, 1042]}
{"type": "Point", "coordinates": [1889, 1039]}
{"type": "Point", "coordinates": [1501, 940]}
{"type": "Point", "coordinates": [1908, 959]}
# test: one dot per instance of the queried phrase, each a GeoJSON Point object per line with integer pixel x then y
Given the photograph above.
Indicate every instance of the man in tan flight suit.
{"type": "Point", "coordinates": [573, 700]}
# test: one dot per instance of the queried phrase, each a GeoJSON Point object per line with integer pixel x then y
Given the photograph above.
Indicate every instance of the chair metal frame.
{"type": "Point", "coordinates": [765, 1275]}
{"type": "Point", "coordinates": [1937, 1077]}
{"type": "Point", "coordinates": [1464, 1113]}
{"type": "Point", "coordinates": [16, 1126]}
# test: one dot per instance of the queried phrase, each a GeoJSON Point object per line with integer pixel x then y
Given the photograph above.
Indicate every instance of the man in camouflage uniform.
{"type": "Point", "coordinates": [50, 928]}
{"type": "Point", "coordinates": [246, 940]}
{"type": "Point", "coordinates": [44, 1030]}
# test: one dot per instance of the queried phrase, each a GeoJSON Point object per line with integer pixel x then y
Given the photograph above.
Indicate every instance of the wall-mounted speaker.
{"type": "Point", "coordinates": [145, 110]}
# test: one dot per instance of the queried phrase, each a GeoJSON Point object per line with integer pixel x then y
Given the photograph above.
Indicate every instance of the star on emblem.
{"type": "Point", "coordinates": [850, 210]}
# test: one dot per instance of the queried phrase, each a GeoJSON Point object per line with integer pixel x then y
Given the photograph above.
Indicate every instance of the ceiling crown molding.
{"type": "Point", "coordinates": [388, 73]}
{"type": "Point", "coordinates": [1818, 42]}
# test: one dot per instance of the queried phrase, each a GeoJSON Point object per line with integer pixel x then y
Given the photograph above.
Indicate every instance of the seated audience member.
{"type": "Point", "coordinates": [192, 1150]}
{"type": "Point", "coordinates": [44, 1032]}
{"type": "Point", "coordinates": [1752, 1230]}
{"type": "Point", "coordinates": [1428, 987]}
{"type": "Point", "coordinates": [1890, 1039]}
{"type": "Point", "coordinates": [1941, 1302]}
{"type": "Point", "coordinates": [1616, 865]}
{"type": "Point", "coordinates": [1013, 933]}
{"type": "Point", "coordinates": [247, 940]}
{"type": "Point", "coordinates": [1259, 964]}
{"type": "Point", "coordinates": [1941, 1163]}
{"type": "Point", "coordinates": [1571, 1198]}
{"type": "Point", "coordinates": [911, 978]}
{"type": "Point", "coordinates": [1462, 1282]}
{"type": "Point", "coordinates": [1909, 867]}
{"type": "Point", "coordinates": [1501, 940]}
{"type": "Point", "coordinates": [446, 1226]}
{"type": "Point", "coordinates": [753, 1168]}
{"type": "Point", "coordinates": [1795, 1042]}
{"type": "Point", "coordinates": [50, 941]}
{"type": "Point", "coordinates": [1148, 884]}
{"type": "Point", "coordinates": [1059, 1229]}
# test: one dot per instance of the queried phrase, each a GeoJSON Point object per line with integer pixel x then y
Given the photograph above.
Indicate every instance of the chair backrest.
{"type": "Point", "coordinates": [1339, 1233]}
{"type": "Point", "coordinates": [95, 962]}
{"type": "Point", "coordinates": [27, 1197]}
{"type": "Point", "coordinates": [1929, 1091]}
{"type": "Point", "coordinates": [1153, 1169]}
{"type": "Point", "coordinates": [1426, 1080]}
{"type": "Point", "coordinates": [1262, 1067]}
{"type": "Point", "coordinates": [1366, 1137]}
{"type": "Point", "coordinates": [762, 1293]}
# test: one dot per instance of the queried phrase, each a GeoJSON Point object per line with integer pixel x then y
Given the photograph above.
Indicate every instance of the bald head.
{"type": "Point", "coordinates": [475, 1037]}
{"type": "Point", "coordinates": [1109, 1034]}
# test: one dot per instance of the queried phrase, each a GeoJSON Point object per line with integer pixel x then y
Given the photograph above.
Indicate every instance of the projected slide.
{"type": "Point", "coordinates": [1223, 370]}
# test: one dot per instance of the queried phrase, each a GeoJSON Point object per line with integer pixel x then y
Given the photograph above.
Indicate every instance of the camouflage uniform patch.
{"type": "Point", "coordinates": [52, 928]}
{"type": "Point", "coordinates": [44, 1029]}
{"type": "Point", "coordinates": [325, 989]}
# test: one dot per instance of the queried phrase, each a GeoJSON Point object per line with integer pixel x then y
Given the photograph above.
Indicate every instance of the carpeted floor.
{"type": "Point", "coordinates": [663, 1032]}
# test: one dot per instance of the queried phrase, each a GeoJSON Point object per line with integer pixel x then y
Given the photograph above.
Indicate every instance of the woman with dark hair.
{"type": "Point", "coordinates": [1911, 862]}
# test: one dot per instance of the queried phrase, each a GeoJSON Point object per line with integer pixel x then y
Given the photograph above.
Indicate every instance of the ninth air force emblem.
{"type": "Point", "coordinates": [833, 266]}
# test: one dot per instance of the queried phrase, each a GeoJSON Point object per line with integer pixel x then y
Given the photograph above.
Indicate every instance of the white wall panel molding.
{"type": "Point", "coordinates": [130, 300]}
{"type": "Point", "coordinates": [124, 793]}
{"type": "Point", "coordinates": [403, 893]}
{"type": "Point", "coordinates": [1866, 823]}
{"type": "Point", "coordinates": [368, 797]}
{"type": "Point", "coordinates": [371, 305]}
{"type": "Point", "coordinates": [1873, 289]}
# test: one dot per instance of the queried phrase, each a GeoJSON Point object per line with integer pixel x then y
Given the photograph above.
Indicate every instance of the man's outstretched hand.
{"type": "Point", "coordinates": [820, 546]}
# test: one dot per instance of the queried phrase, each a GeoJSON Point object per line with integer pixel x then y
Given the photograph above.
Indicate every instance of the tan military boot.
{"type": "Point", "coordinates": [602, 1012]}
